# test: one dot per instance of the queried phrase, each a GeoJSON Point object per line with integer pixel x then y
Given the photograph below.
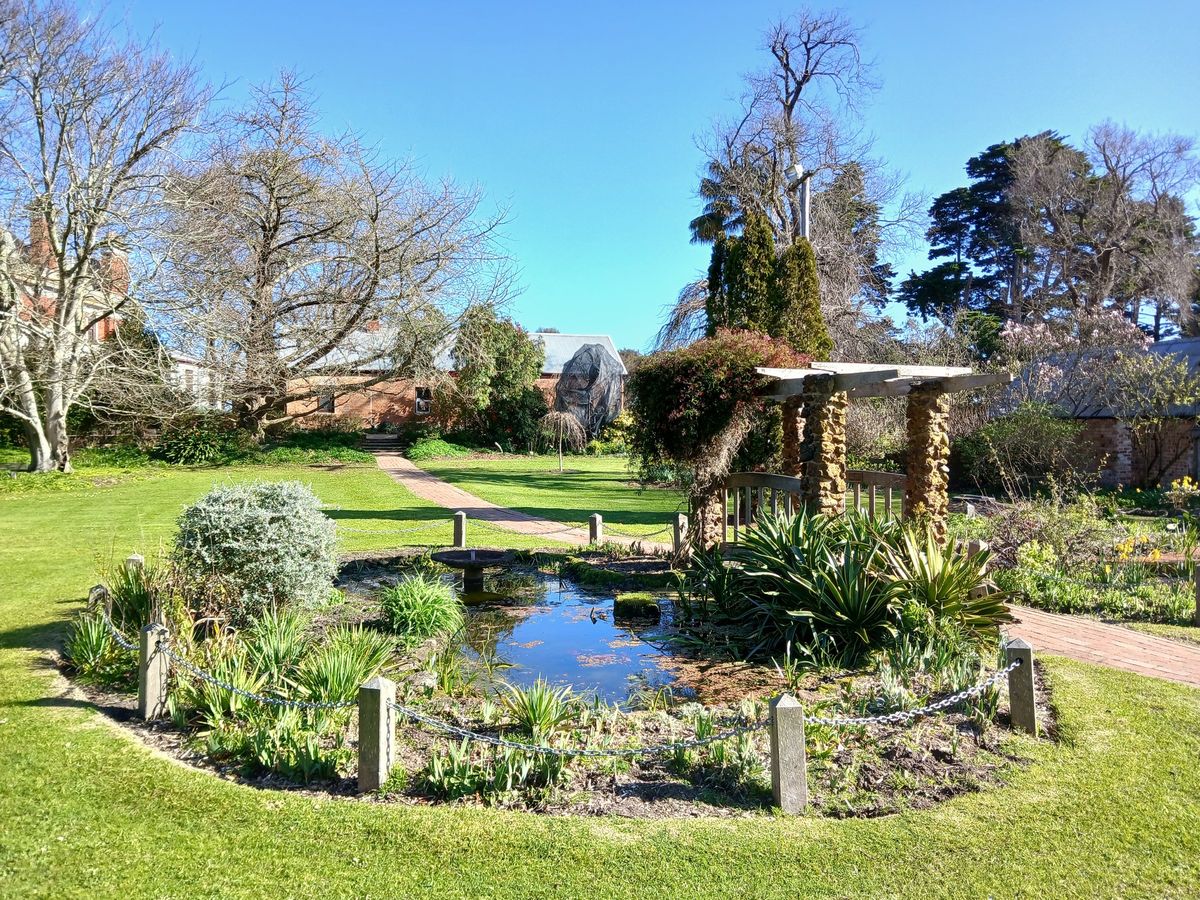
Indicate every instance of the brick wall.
{"type": "Point", "coordinates": [1119, 459]}
{"type": "Point", "coordinates": [386, 403]}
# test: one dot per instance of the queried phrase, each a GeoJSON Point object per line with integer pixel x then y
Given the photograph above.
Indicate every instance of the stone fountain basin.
{"type": "Point", "coordinates": [472, 559]}
{"type": "Point", "coordinates": [472, 563]}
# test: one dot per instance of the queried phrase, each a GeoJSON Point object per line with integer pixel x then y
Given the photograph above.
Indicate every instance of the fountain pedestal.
{"type": "Point", "coordinates": [473, 563]}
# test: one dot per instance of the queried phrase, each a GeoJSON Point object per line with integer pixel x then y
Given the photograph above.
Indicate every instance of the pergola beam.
{"type": "Point", "coordinates": [790, 382]}
{"type": "Point", "coordinates": [954, 384]}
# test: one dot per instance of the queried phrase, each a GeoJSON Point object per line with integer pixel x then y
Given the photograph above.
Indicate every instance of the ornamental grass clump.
{"type": "Point", "coordinates": [269, 543]}
{"type": "Point", "coordinates": [419, 607]}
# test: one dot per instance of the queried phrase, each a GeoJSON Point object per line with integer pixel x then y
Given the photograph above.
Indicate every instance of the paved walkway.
{"type": "Point", "coordinates": [1108, 645]}
{"type": "Point", "coordinates": [1074, 636]}
{"type": "Point", "coordinates": [431, 488]}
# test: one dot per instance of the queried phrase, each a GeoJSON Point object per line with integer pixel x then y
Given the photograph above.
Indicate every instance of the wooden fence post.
{"type": "Point", "coordinates": [679, 533]}
{"type": "Point", "coordinates": [1021, 704]}
{"type": "Point", "coordinates": [135, 562]}
{"type": "Point", "coordinates": [596, 529]}
{"type": "Point", "coordinates": [789, 765]}
{"type": "Point", "coordinates": [1196, 579]}
{"type": "Point", "coordinates": [376, 732]}
{"type": "Point", "coordinates": [153, 670]}
{"type": "Point", "coordinates": [460, 530]}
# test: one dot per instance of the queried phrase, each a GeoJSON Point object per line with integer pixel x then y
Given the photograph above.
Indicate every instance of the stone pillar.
{"type": "Point", "coordinates": [793, 436]}
{"type": "Point", "coordinates": [927, 492]}
{"type": "Point", "coordinates": [708, 519]}
{"type": "Point", "coordinates": [460, 530]}
{"type": "Point", "coordinates": [153, 672]}
{"type": "Point", "coordinates": [823, 447]}
{"type": "Point", "coordinates": [596, 528]}
{"type": "Point", "coordinates": [789, 766]}
{"type": "Point", "coordinates": [1021, 699]}
{"type": "Point", "coordinates": [376, 732]}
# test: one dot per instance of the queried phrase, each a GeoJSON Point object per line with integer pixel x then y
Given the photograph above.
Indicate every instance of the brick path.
{"type": "Point", "coordinates": [431, 488]}
{"type": "Point", "coordinates": [1073, 636]}
{"type": "Point", "coordinates": [1108, 645]}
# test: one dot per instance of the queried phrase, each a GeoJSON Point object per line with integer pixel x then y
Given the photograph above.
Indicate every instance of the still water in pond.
{"type": "Point", "coordinates": [542, 627]}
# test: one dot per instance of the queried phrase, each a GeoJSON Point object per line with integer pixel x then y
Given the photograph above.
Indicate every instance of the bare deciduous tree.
{"type": "Point", "coordinates": [803, 108]}
{"type": "Point", "coordinates": [297, 261]}
{"type": "Point", "coordinates": [87, 122]}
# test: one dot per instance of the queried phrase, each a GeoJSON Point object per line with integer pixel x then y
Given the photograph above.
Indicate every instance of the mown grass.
{"type": "Point", "coordinates": [1112, 810]}
{"type": "Point", "coordinates": [1189, 634]}
{"type": "Point", "coordinates": [589, 484]}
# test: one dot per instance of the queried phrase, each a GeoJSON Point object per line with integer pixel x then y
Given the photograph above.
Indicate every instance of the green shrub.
{"type": "Point", "coordinates": [269, 542]}
{"type": "Point", "coordinates": [89, 648]}
{"type": "Point", "coordinates": [334, 671]}
{"type": "Point", "coordinates": [434, 448]}
{"type": "Point", "coordinates": [682, 401]}
{"type": "Point", "coordinates": [1019, 453]}
{"type": "Point", "coordinates": [275, 644]}
{"type": "Point", "coordinates": [419, 607]}
{"type": "Point", "coordinates": [539, 710]}
{"type": "Point", "coordinates": [132, 594]}
{"type": "Point", "coordinates": [200, 439]}
{"type": "Point", "coordinates": [952, 584]}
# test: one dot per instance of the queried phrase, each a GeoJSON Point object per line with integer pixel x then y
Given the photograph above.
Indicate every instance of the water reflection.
{"type": "Point", "coordinates": [555, 630]}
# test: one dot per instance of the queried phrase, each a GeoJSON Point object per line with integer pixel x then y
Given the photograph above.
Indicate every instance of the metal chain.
{"type": "Point", "coordinates": [117, 636]}
{"type": "Point", "coordinates": [188, 666]}
{"type": "Point", "coordinates": [655, 750]}
{"type": "Point", "coordinates": [394, 530]}
{"type": "Point", "coordinates": [636, 537]}
{"type": "Point", "coordinates": [904, 716]}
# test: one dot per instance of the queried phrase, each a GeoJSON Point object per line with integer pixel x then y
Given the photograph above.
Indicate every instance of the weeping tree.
{"type": "Point", "coordinates": [693, 409]}
{"type": "Point", "coordinates": [563, 429]}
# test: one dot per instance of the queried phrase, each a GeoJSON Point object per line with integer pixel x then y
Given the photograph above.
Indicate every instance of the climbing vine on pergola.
{"type": "Point", "coordinates": [695, 406]}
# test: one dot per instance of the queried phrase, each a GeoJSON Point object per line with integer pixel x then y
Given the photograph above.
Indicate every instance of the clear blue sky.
{"type": "Point", "coordinates": [580, 117]}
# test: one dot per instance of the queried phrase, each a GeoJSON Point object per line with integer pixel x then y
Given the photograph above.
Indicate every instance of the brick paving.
{"type": "Point", "coordinates": [435, 490]}
{"type": "Point", "coordinates": [1074, 636]}
{"type": "Point", "coordinates": [1109, 645]}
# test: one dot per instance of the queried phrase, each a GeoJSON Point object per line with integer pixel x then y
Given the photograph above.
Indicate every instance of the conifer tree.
{"type": "Point", "coordinates": [796, 302]}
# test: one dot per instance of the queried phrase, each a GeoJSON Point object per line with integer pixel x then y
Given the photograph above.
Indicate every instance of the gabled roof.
{"type": "Point", "coordinates": [559, 349]}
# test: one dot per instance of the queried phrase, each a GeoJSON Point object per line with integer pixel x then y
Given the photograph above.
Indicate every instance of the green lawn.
{"type": "Point", "coordinates": [1188, 633]}
{"type": "Point", "coordinates": [589, 484]}
{"type": "Point", "coordinates": [1112, 810]}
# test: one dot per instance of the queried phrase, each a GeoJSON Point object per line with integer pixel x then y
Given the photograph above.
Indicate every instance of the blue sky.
{"type": "Point", "coordinates": [580, 117]}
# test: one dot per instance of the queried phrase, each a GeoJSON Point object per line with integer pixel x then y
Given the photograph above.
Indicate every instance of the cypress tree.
{"type": "Point", "coordinates": [749, 269]}
{"type": "Point", "coordinates": [714, 304]}
{"type": "Point", "coordinates": [796, 302]}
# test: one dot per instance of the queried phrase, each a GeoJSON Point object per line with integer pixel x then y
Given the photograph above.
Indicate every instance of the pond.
{"type": "Point", "coordinates": [531, 625]}
{"type": "Point", "coordinates": [543, 627]}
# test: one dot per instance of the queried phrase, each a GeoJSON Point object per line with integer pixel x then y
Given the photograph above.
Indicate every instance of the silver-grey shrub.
{"type": "Point", "coordinates": [268, 542]}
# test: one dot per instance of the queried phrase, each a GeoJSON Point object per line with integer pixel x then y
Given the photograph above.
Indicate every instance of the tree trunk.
{"type": "Point", "coordinates": [57, 433]}
{"type": "Point", "coordinates": [39, 449]}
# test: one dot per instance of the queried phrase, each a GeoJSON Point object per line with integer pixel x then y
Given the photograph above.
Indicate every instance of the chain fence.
{"type": "Point", "coordinates": [586, 752]}
{"type": "Point", "coordinates": [904, 716]}
{"type": "Point", "coordinates": [900, 717]}
{"type": "Point", "coordinates": [608, 529]}
{"type": "Point", "coordinates": [188, 666]}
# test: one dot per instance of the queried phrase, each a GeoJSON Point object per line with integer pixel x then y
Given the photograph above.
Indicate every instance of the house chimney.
{"type": "Point", "coordinates": [40, 251]}
{"type": "Point", "coordinates": [114, 269]}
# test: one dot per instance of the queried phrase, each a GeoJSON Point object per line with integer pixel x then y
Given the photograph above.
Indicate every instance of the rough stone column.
{"type": "Point", "coordinates": [927, 491]}
{"type": "Point", "coordinates": [708, 520]}
{"type": "Point", "coordinates": [823, 447]}
{"type": "Point", "coordinates": [793, 436]}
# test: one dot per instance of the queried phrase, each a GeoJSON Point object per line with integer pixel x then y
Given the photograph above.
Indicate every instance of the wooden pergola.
{"type": "Point", "coordinates": [815, 401]}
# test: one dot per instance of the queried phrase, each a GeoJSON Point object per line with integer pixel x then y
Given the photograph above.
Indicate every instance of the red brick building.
{"type": "Point", "coordinates": [343, 401]}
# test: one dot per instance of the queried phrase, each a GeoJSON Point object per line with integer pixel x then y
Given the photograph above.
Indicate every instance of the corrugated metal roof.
{"type": "Point", "coordinates": [1184, 348]}
{"type": "Point", "coordinates": [561, 347]}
